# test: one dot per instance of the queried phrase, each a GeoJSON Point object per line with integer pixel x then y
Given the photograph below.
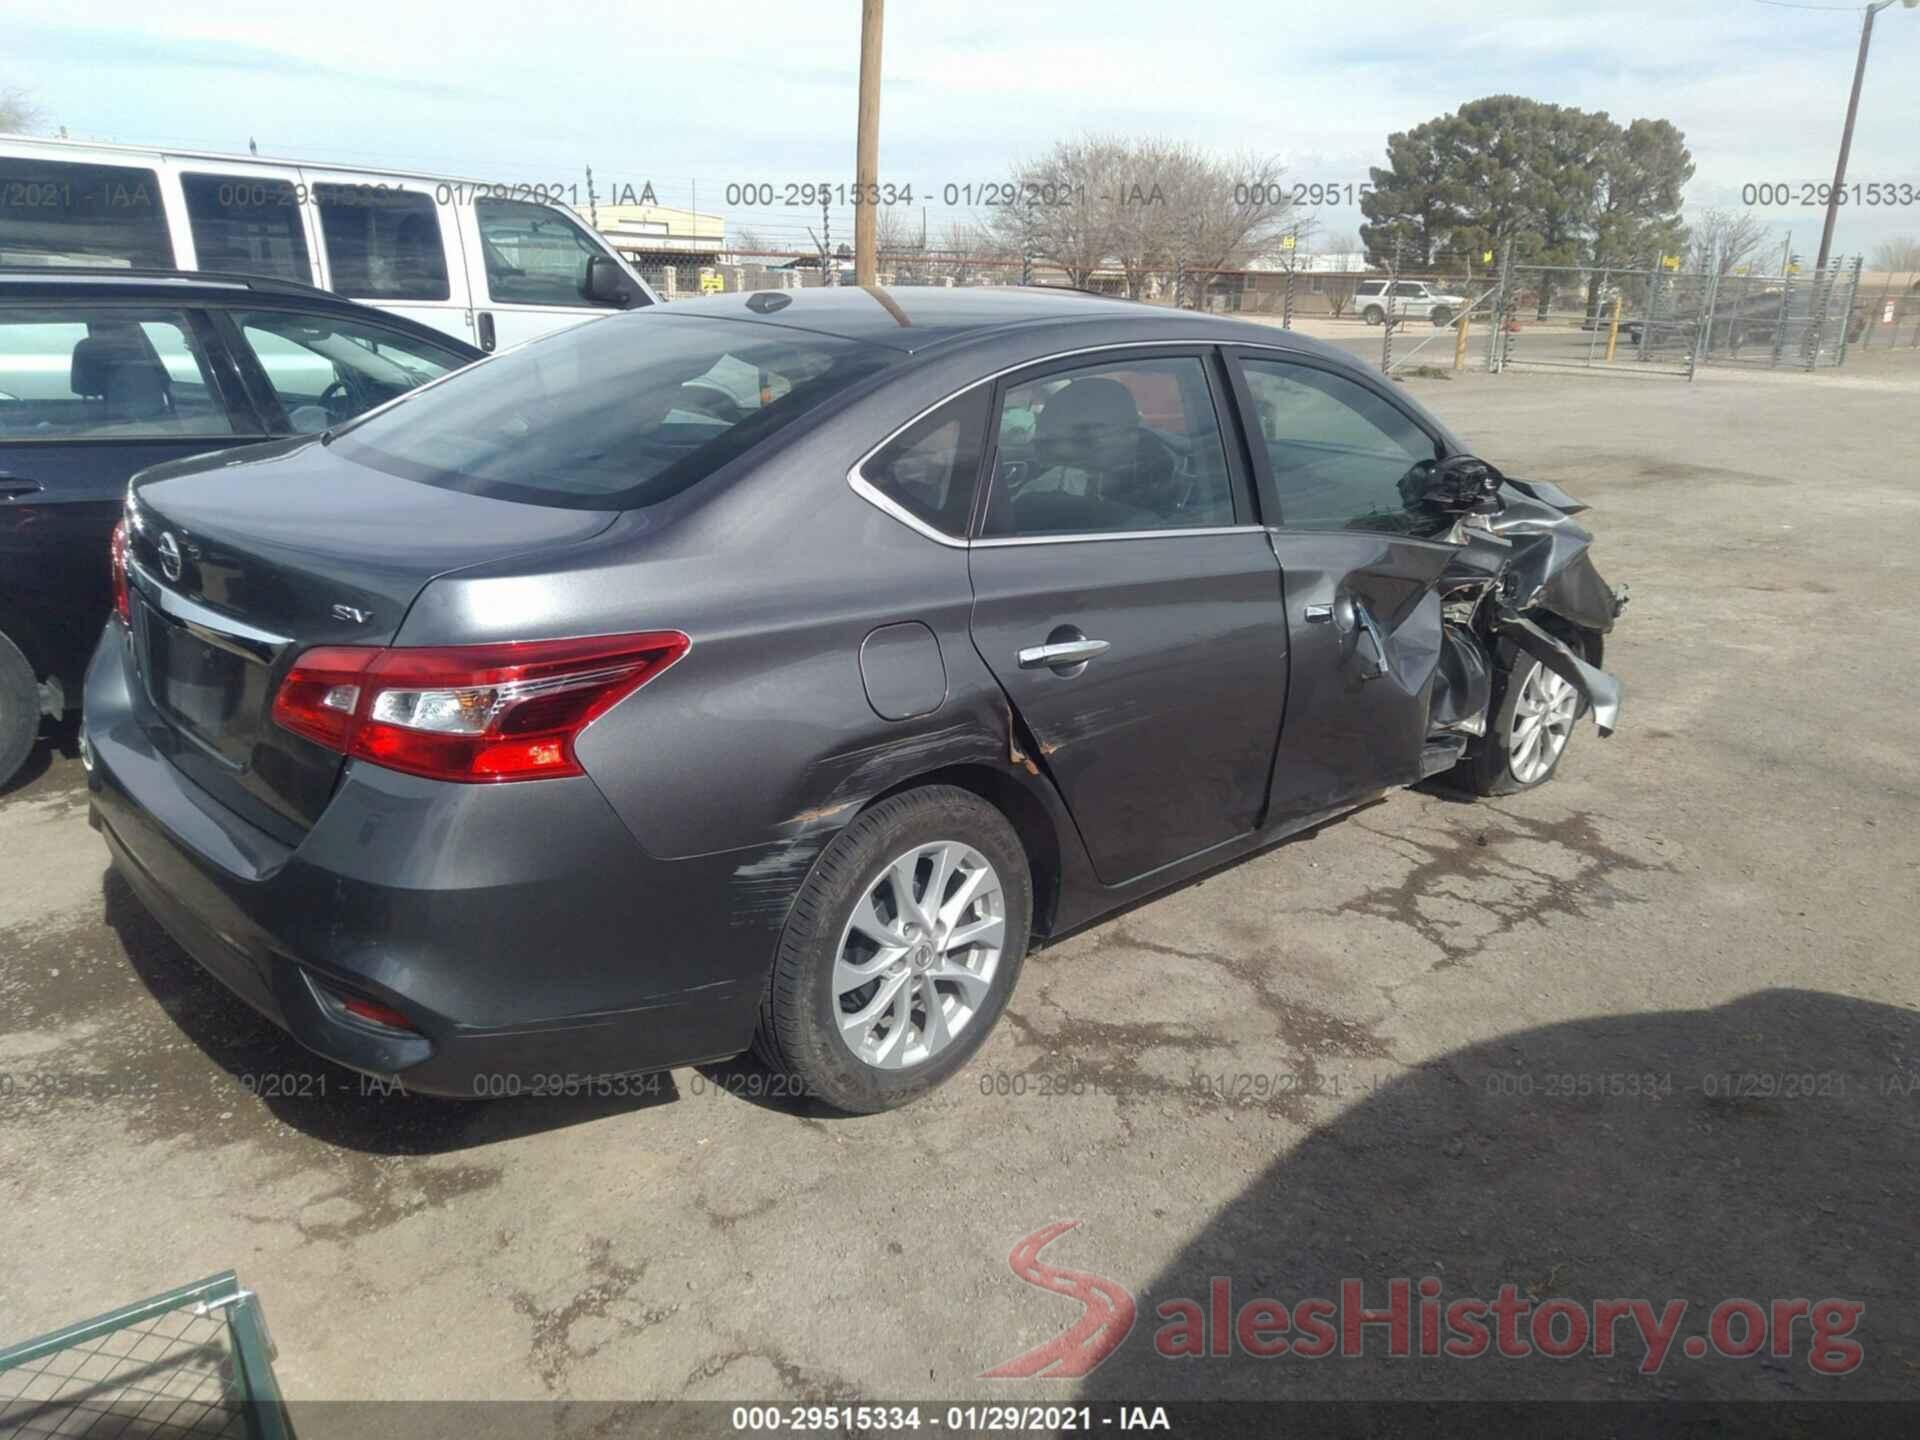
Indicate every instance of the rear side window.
{"type": "Point", "coordinates": [611, 414]}
{"type": "Point", "coordinates": [1108, 449]}
{"type": "Point", "coordinates": [53, 212]}
{"type": "Point", "coordinates": [106, 374]}
{"type": "Point", "coordinates": [382, 243]}
{"type": "Point", "coordinates": [252, 226]}
{"type": "Point", "coordinates": [931, 469]}
{"type": "Point", "coordinates": [534, 254]}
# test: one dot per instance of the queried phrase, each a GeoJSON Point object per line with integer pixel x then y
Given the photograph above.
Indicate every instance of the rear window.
{"type": "Point", "coordinates": [54, 212]}
{"type": "Point", "coordinates": [612, 414]}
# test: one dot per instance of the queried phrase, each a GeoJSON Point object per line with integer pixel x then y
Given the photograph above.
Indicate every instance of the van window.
{"type": "Point", "coordinates": [610, 415]}
{"type": "Point", "coordinates": [247, 224]}
{"type": "Point", "coordinates": [535, 255]}
{"type": "Point", "coordinates": [382, 243]}
{"type": "Point", "coordinates": [55, 212]}
{"type": "Point", "coordinates": [106, 373]}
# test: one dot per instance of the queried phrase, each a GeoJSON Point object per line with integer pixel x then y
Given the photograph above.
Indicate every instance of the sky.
{"type": "Point", "coordinates": [695, 98]}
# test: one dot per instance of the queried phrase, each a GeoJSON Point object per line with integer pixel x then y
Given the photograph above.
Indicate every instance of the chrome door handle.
{"type": "Point", "coordinates": [1064, 652]}
{"type": "Point", "coordinates": [1317, 613]}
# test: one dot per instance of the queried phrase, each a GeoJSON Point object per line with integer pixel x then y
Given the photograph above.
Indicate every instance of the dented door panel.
{"type": "Point", "coordinates": [1160, 744]}
{"type": "Point", "coordinates": [1356, 720]}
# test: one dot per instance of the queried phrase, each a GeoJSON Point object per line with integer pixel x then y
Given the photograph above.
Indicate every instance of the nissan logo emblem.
{"type": "Point", "coordinates": [169, 556]}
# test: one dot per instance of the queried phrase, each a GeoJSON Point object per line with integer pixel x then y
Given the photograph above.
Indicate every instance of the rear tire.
{"type": "Point", "coordinates": [1373, 315]}
{"type": "Point", "coordinates": [838, 962]}
{"type": "Point", "coordinates": [19, 709]}
{"type": "Point", "coordinates": [1528, 699]}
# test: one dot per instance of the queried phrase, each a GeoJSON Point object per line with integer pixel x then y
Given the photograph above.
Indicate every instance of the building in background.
{"type": "Point", "coordinates": [655, 237]}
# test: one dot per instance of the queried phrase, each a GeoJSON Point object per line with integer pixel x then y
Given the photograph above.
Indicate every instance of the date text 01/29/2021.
{"type": "Point", "coordinates": [963, 1419]}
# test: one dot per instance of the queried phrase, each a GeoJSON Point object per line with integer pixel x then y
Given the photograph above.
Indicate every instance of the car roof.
{"type": "Point", "coordinates": [915, 319]}
{"type": "Point", "coordinates": [85, 282]}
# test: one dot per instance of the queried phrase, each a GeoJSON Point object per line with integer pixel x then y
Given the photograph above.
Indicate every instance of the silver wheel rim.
{"type": "Point", "coordinates": [917, 958]}
{"type": "Point", "coordinates": [1542, 721]}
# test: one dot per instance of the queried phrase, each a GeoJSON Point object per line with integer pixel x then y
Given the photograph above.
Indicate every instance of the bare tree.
{"type": "Point", "coordinates": [1058, 210]}
{"type": "Point", "coordinates": [893, 232]}
{"type": "Point", "coordinates": [18, 114]}
{"type": "Point", "coordinates": [967, 251]}
{"type": "Point", "coordinates": [748, 241]}
{"type": "Point", "coordinates": [1225, 214]}
{"type": "Point", "coordinates": [1724, 239]}
{"type": "Point", "coordinates": [1898, 255]}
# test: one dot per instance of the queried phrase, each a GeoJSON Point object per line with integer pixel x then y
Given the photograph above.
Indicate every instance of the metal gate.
{"type": "Point", "coordinates": [1662, 321]}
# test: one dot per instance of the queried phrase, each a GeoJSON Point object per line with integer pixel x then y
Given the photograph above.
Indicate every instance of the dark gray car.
{"type": "Point", "coordinates": [776, 669]}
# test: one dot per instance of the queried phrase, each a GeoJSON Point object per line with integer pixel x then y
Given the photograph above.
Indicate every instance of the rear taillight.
{"type": "Point", "coordinates": [122, 599]}
{"type": "Point", "coordinates": [468, 712]}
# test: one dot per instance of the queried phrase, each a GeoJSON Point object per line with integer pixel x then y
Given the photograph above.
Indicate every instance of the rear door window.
{"type": "Point", "coordinates": [324, 370]}
{"type": "Point", "coordinates": [534, 254]}
{"type": "Point", "coordinates": [382, 243]}
{"type": "Point", "coordinates": [1110, 448]}
{"type": "Point", "coordinates": [106, 374]}
{"type": "Point", "coordinates": [248, 225]}
{"type": "Point", "coordinates": [54, 212]}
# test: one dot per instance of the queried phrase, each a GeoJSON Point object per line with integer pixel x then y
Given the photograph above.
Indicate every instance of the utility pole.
{"type": "Point", "coordinates": [866, 159]}
{"type": "Point", "coordinates": [1846, 134]}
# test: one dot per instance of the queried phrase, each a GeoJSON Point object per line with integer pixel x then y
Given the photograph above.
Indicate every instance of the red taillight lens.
{"type": "Point", "coordinates": [468, 712]}
{"type": "Point", "coordinates": [117, 549]}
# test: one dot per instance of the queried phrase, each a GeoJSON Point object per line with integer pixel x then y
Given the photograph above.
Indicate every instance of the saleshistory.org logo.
{"type": "Point", "coordinates": [1416, 1320]}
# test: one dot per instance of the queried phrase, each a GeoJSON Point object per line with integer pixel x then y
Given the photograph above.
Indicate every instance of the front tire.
{"type": "Point", "coordinates": [1532, 725]}
{"type": "Point", "coordinates": [1441, 317]}
{"type": "Point", "coordinates": [19, 709]}
{"type": "Point", "coordinates": [900, 952]}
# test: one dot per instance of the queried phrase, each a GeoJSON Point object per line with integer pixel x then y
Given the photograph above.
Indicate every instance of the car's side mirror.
{"type": "Point", "coordinates": [1457, 485]}
{"type": "Point", "coordinates": [607, 284]}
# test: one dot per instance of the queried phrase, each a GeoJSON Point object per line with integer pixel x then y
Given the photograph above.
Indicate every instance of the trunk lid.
{"type": "Point", "coordinates": [240, 561]}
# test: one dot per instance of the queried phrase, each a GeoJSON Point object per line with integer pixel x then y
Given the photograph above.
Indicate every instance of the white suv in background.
{"type": "Point", "coordinates": [1410, 299]}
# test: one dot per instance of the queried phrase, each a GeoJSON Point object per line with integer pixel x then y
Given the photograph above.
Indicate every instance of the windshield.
{"type": "Point", "coordinates": [611, 414]}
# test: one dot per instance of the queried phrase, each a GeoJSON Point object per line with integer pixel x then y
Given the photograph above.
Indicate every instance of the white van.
{"type": "Point", "coordinates": [491, 264]}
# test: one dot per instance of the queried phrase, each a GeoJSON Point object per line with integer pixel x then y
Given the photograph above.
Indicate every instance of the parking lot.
{"type": "Point", "coordinates": [1649, 1031]}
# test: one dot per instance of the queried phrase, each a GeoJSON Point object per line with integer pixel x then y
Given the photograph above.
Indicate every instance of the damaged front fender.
{"type": "Point", "coordinates": [1597, 687]}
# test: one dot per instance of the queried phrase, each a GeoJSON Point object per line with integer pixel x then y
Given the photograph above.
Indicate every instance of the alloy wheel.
{"type": "Point", "coordinates": [917, 958]}
{"type": "Point", "coordinates": [1542, 723]}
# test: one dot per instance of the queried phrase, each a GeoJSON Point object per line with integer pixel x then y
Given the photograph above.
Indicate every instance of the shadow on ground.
{"type": "Point", "coordinates": [314, 1096]}
{"type": "Point", "coordinates": [1781, 1163]}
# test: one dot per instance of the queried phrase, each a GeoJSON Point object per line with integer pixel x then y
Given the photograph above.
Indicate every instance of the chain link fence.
{"type": "Point", "coordinates": [1661, 321]}
{"type": "Point", "coordinates": [1652, 321]}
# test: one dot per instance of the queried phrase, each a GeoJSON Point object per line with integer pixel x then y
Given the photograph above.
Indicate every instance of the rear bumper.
{"type": "Point", "coordinates": [520, 927]}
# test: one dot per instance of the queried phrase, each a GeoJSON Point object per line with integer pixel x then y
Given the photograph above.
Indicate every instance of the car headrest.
{"type": "Point", "coordinates": [96, 358]}
{"type": "Point", "coordinates": [116, 366]}
{"type": "Point", "coordinates": [1093, 414]}
{"type": "Point", "coordinates": [92, 358]}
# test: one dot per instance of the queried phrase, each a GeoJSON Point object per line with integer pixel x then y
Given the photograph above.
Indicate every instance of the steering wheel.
{"type": "Point", "coordinates": [342, 407]}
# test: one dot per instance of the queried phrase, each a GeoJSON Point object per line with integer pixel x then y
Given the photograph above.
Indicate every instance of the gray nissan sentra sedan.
{"type": "Point", "coordinates": [772, 671]}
